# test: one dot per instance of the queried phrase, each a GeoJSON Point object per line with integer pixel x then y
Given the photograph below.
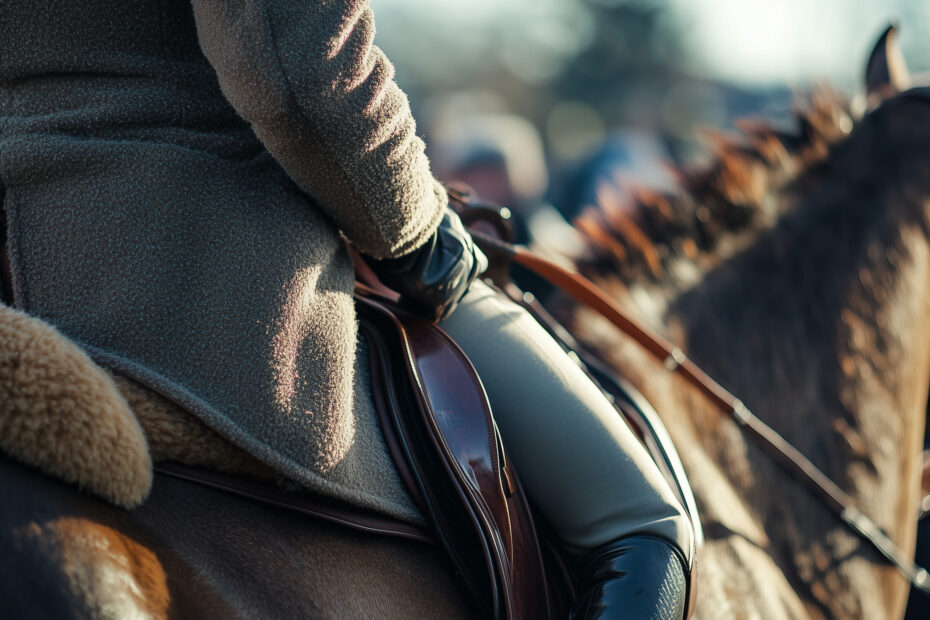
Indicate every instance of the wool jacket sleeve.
{"type": "Point", "coordinates": [323, 100]}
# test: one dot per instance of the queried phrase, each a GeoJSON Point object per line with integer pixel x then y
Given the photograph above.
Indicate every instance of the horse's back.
{"type": "Point", "coordinates": [194, 551]}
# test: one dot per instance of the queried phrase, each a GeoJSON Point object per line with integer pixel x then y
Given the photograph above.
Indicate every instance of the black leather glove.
{"type": "Point", "coordinates": [434, 277]}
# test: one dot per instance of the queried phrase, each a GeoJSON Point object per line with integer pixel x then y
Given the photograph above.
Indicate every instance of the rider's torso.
{"type": "Point", "coordinates": [149, 224]}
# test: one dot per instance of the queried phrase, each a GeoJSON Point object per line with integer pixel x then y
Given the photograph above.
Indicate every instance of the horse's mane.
{"type": "Point", "coordinates": [740, 191]}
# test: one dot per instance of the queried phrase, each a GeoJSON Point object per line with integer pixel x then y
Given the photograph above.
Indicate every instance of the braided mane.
{"type": "Point", "coordinates": [744, 188]}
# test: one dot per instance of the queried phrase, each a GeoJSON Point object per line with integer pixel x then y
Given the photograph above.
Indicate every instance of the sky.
{"type": "Point", "coordinates": [750, 42]}
{"type": "Point", "coordinates": [796, 41]}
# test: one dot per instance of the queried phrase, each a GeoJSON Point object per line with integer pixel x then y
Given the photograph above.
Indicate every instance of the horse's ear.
{"type": "Point", "coordinates": [886, 73]}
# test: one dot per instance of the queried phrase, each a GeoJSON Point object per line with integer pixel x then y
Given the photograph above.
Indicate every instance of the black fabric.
{"type": "Point", "coordinates": [6, 289]}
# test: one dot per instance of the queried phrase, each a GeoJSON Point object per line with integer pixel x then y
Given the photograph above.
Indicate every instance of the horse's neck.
{"type": "Point", "coordinates": [821, 330]}
{"type": "Point", "coordinates": [835, 313]}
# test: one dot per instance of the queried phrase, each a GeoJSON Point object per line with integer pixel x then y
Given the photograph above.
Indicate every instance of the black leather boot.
{"type": "Point", "coordinates": [642, 577]}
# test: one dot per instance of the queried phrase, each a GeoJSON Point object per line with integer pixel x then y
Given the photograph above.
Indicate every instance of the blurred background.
{"type": "Point", "coordinates": [529, 99]}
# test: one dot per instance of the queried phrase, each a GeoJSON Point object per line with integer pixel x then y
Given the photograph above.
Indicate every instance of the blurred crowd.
{"type": "Point", "coordinates": [537, 104]}
{"type": "Point", "coordinates": [502, 158]}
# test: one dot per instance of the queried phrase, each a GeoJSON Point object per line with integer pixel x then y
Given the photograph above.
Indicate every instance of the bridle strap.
{"type": "Point", "coordinates": [674, 359]}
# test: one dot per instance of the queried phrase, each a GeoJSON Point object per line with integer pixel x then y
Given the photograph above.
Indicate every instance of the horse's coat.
{"type": "Point", "coordinates": [194, 552]}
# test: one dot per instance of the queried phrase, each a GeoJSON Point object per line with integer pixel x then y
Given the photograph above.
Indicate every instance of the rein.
{"type": "Point", "coordinates": [674, 359]}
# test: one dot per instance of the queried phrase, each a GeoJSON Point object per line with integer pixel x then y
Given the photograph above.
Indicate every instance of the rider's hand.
{"type": "Point", "coordinates": [434, 277]}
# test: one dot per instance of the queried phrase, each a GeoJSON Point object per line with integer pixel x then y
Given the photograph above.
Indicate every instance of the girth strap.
{"type": "Point", "coordinates": [299, 501]}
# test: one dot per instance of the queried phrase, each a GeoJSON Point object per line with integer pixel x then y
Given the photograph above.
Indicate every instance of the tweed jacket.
{"type": "Point", "coordinates": [178, 179]}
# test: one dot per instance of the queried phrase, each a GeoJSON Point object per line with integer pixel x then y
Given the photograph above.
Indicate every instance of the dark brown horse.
{"type": "Point", "coordinates": [797, 272]}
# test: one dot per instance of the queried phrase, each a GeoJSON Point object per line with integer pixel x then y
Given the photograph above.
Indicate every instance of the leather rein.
{"type": "Point", "coordinates": [674, 359]}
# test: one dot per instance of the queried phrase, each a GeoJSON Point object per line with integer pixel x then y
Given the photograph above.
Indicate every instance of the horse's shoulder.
{"type": "Point", "coordinates": [68, 555]}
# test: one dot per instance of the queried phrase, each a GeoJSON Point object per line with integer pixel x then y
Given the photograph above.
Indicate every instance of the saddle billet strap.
{"type": "Point", "coordinates": [783, 453]}
{"type": "Point", "coordinates": [299, 501]}
{"type": "Point", "coordinates": [444, 426]}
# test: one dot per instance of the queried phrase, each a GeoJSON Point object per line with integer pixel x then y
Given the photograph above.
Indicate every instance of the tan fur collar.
{"type": "Point", "coordinates": [63, 414]}
{"type": "Point", "coordinates": [176, 435]}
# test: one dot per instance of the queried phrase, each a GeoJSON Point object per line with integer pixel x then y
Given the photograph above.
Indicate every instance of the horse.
{"type": "Point", "coordinates": [794, 271]}
{"type": "Point", "coordinates": [829, 232]}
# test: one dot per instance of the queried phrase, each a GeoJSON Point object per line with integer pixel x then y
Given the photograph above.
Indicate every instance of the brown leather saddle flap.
{"type": "Point", "coordinates": [439, 427]}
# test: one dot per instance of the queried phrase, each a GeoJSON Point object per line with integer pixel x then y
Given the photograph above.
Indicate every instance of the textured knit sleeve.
{"type": "Point", "coordinates": [323, 100]}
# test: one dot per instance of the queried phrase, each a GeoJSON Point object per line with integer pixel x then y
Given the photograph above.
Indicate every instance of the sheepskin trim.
{"type": "Point", "coordinates": [176, 435]}
{"type": "Point", "coordinates": [61, 413]}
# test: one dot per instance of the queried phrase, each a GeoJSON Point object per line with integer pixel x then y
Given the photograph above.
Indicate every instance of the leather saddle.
{"type": "Point", "coordinates": [439, 428]}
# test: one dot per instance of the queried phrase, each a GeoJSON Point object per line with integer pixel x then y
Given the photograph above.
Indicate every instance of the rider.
{"type": "Point", "coordinates": [193, 167]}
